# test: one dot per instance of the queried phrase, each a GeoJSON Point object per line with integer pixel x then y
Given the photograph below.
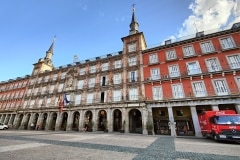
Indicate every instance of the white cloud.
{"type": "Point", "coordinates": [210, 14]}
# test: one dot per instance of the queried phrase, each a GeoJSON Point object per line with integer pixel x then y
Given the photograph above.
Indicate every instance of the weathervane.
{"type": "Point", "coordinates": [133, 7]}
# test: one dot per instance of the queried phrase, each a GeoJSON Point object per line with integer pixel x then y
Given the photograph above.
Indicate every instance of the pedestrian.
{"type": "Point", "coordinates": [38, 127]}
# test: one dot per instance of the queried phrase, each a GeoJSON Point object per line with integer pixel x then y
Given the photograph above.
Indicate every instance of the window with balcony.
{"type": "Point", "coordinates": [93, 69]}
{"type": "Point", "coordinates": [46, 78]}
{"type": "Point", "coordinates": [32, 103]}
{"type": "Point", "coordinates": [132, 76]}
{"type": "Point", "coordinates": [91, 82]}
{"type": "Point", "coordinates": [155, 74]}
{"type": "Point", "coordinates": [177, 91]}
{"type": "Point", "coordinates": [117, 95]}
{"type": "Point", "coordinates": [188, 51]}
{"type": "Point", "coordinates": [199, 89]}
{"type": "Point", "coordinates": [63, 75]}
{"type": "Point", "coordinates": [35, 91]}
{"type": "Point", "coordinates": [238, 82]}
{"type": "Point", "coordinates": [48, 102]}
{"type": "Point", "coordinates": [171, 54]}
{"type": "Point", "coordinates": [43, 90]}
{"type": "Point", "coordinates": [193, 68]}
{"type": "Point", "coordinates": [117, 78]}
{"type": "Point", "coordinates": [51, 89]}
{"type": "Point", "coordinates": [29, 92]}
{"type": "Point", "coordinates": [133, 94]}
{"type": "Point", "coordinates": [89, 98]}
{"type": "Point", "coordinates": [104, 80]}
{"type": "Point", "coordinates": [234, 61]}
{"type": "Point", "coordinates": [78, 99]}
{"type": "Point", "coordinates": [132, 47]}
{"type": "Point", "coordinates": [117, 64]}
{"type": "Point", "coordinates": [157, 93]}
{"type": "Point", "coordinates": [80, 84]}
{"type": "Point", "coordinates": [213, 65]}
{"type": "Point", "coordinates": [174, 71]}
{"type": "Point", "coordinates": [55, 77]}
{"type": "Point", "coordinates": [220, 87]}
{"type": "Point", "coordinates": [132, 61]}
{"type": "Point", "coordinates": [153, 58]}
{"type": "Point", "coordinates": [227, 43]}
{"type": "Point", "coordinates": [40, 103]}
{"type": "Point", "coordinates": [60, 87]}
{"type": "Point", "coordinates": [104, 66]}
{"type": "Point", "coordinates": [39, 79]}
{"type": "Point", "coordinates": [82, 71]}
{"type": "Point", "coordinates": [207, 47]}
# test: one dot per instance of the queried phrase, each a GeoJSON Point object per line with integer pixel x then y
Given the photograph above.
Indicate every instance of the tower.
{"type": "Point", "coordinates": [134, 24]}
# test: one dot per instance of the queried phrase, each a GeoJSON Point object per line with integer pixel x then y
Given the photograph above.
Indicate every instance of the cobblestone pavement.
{"type": "Point", "coordinates": [41, 145]}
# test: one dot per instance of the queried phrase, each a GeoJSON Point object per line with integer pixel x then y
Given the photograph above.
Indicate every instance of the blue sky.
{"type": "Point", "coordinates": [91, 28]}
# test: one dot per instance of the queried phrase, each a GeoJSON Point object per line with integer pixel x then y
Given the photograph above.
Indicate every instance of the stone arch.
{"type": "Point", "coordinates": [20, 117]}
{"type": "Point", "coordinates": [63, 125]}
{"type": "Point", "coordinates": [25, 125]}
{"type": "Point", "coordinates": [102, 120]}
{"type": "Point", "coordinates": [53, 120]}
{"type": "Point", "coordinates": [88, 116]}
{"type": "Point", "coordinates": [75, 123]}
{"type": "Point", "coordinates": [135, 121]}
{"type": "Point", "coordinates": [44, 122]}
{"type": "Point", "coordinates": [117, 120]}
{"type": "Point", "coordinates": [35, 119]}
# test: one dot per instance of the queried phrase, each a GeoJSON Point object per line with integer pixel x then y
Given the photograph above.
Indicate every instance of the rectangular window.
{"type": "Point", "coordinates": [155, 74]}
{"type": "Point", "coordinates": [46, 78]}
{"type": "Point", "coordinates": [82, 71]}
{"type": "Point", "coordinates": [193, 68]}
{"type": "Point", "coordinates": [132, 47]}
{"type": "Point", "coordinates": [133, 76]}
{"type": "Point", "coordinates": [213, 65]}
{"type": "Point", "coordinates": [153, 58]}
{"type": "Point", "coordinates": [220, 87]}
{"type": "Point", "coordinates": [63, 75]}
{"type": "Point", "coordinates": [171, 54]}
{"type": "Point", "coordinates": [174, 71]}
{"type": "Point", "coordinates": [117, 64]}
{"type": "Point", "coordinates": [48, 102]}
{"type": "Point", "coordinates": [207, 47]}
{"type": "Point", "coordinates": [132, 61]}
{"type": "Point", "coordinates": [117, 95]}
{"type": "Point", "coordinates": [80, 84]}
{"type": "Point", "coordinates": [51, 89]}
{"type": "Point", "coordinates": [133, 94]}
{"type": "Point", "coordinates": [92, 69]}
{"type": "Point", "coordinates": [238, 82]}
{"type": "Point", "coordinates": [55, 76]}
{"type": "Point", "coordinates": [40, 103]}
{"type": "Point", "coordinates": [234, 61]}
{"type": "Point", "coordinates": [104, 66]}
{"type": "Point", "coordinates": [177, 91]}
{"type": "Point", "coordinates": [188, 51]}
{"type": "Point", "coordinates": [104, 80]}
{"type": "Point", "coordinates": [43, 90]}
{"type": "Point", "coordinates": [227, 43]}
{"type": "Point", "coordinates": [157, 93]}
{"type": "Point", "coordinates": [91, 82]}
{"type": "Point", "coordinates": [199, 89]}
{"type": "Point", "coordinates": [117, 78]}
{"type": "Point", "coordinates": [60, 87]}
{"type": "Point", "coordinates": [35, 91]}
{"type": "Point", "coordinates": [89, 98]}
{"type": "Point", "coordinates": [78, 99]}
{"type": "Point", "coordinates": [40, 79]}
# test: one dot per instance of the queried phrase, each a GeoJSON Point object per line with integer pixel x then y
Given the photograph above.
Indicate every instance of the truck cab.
{"type": "Point", "coordinates": [220, 125]}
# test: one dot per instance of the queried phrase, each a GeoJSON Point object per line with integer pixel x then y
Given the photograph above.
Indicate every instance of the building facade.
{"type": "Point", "coordinates": [186, 77]}
{"type": "Point", "coordinates": [167, 85]}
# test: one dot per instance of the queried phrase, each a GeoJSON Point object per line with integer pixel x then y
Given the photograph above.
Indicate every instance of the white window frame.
{"type": "Point", "coordinates": [91, 82]}
{"type": "Point", "coordinates": [188, 51]}
{"type": "Point", "coordinates": [153, 58]}
{"type": "Point", "coordinates": [132, 47]}
{"type": "Point", "coordinates": [51, 88]}
{"type": "Point", "coordinates": [234, 61]}
{"type": "Point", "coordinates": [82, 71]}
{"type": "Point", "coordinates": [196, 69]}
{"type": "Point", "coordinates": [207, 47]}
{"type": "Point", "coordinates": [133, 94]}
{"type": "Point", "coordinates": [174, 70]}
{"type": "Point", "coordinates": [227, 43]}
{"type": "Point", "coordinates": [93, 69]}
{"type": "Point", "coordinates": [89, 98]}
{"type": "Point", "coordinates": [60, 87]}
{"type": "Point", "coordinates": [117, 95]}
{"type": "Point", "coordinates": [117, 78]}
{"type": "Point", "coordinates": [80, 84]}
{"type": "Point", "coordinates": [55, 77]}
{"type": "Point", "coordinates": [63, 75]}
{"type": "Point", "coordinates": [78, 99]}
{"type": "Point", "coordinates": [213, 64]}
{"type": "Point", "coordinates": [155, 73]}
{"type": "Point", "coordinates": [171, 54]}
{"type": "Point", "coordinates": [104, 66]}
{"type": "Point", "coordinates": [220, 87]}
{"type": "Point", "coordinates": [132, 75]}
{"type": "Point", "coordinates": [117, 64]}
{"type": "Point", "coordinates": [132, 61]}
{"type": "Point", "coordinates": [238, 82]}
{"type": "Point", "coordinates": [177, 91]}
{"type": "Point", "coordinates": [157, 92]}
{"type": "Point", "coordinates": [199, 89]}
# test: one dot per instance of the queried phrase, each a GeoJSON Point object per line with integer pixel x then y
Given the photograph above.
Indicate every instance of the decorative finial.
{"type": "Point", "coordinates": [133, 7]}
{"type": "Point", "coordinates": [54, 38]}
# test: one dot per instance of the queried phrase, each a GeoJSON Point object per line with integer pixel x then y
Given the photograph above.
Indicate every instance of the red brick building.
{"type": "Point", "coordinates": [183, 78]}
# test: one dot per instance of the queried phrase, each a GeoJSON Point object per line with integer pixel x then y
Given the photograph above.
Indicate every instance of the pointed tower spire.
{"type": "Point", "coordinates": [49, 53]}
{"type": "Point", "coordinates": [134, 24]}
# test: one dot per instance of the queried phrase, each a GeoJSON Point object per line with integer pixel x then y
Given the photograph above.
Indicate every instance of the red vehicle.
{"type": "Point", "coordinates": [220, 125]}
